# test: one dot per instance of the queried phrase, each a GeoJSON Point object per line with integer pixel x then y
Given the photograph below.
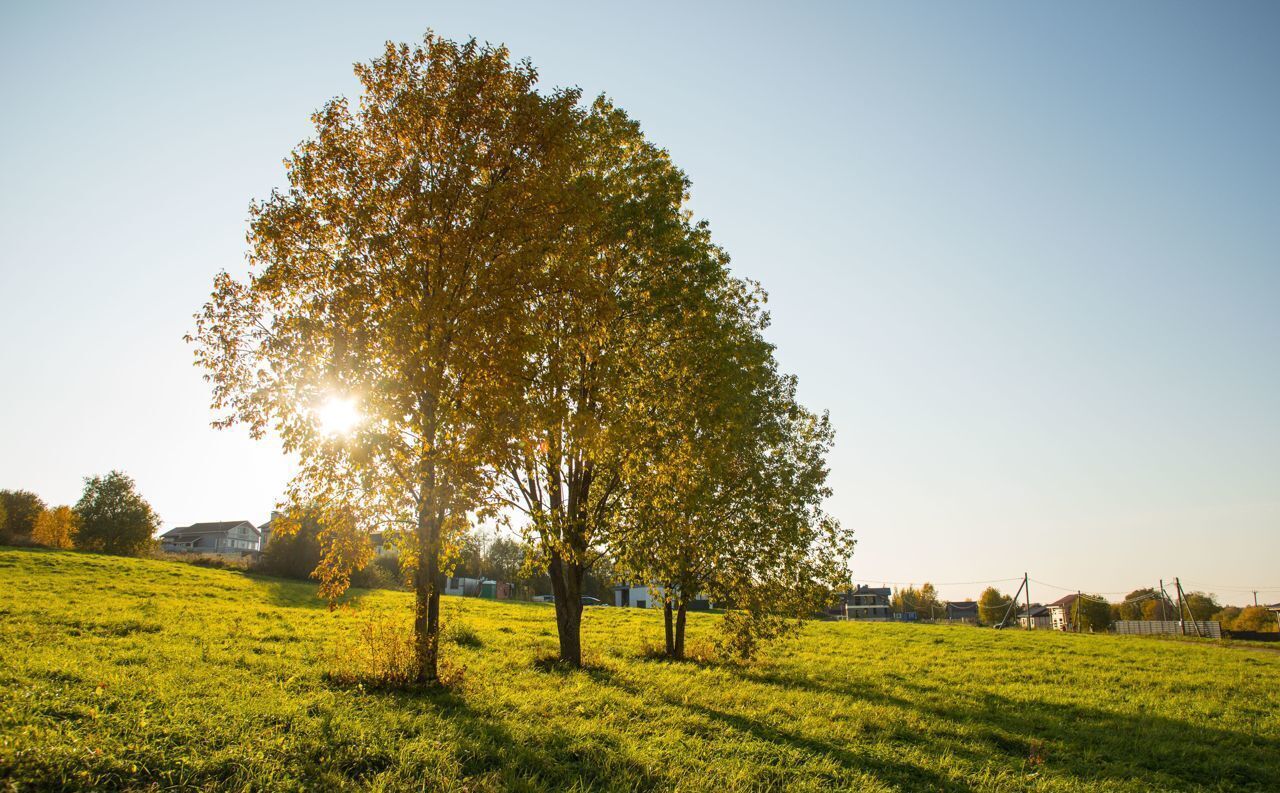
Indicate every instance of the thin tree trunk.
{"type": "Point", "coordinates": [680, 631]}
{"type": "Point", "coordinates": [426, 615]}
{"type": "Point", "coordinates": [566, 583]}
{"type": "Point", "coordinates": [671, 638]}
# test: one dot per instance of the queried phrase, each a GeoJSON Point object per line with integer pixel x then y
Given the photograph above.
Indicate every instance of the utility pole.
{"type": "Point", "coordinates": [1181, 623]}
{"type": "Point", "coordinates": [1255, 598]}
{"type": "Point", "coordinates": [1026, 583]}
{"type": "Point", "coordinates": [1182, 599]}
{"type": "Point", "coordinates": [1163, 597]}
{"type": "Point", "coordinates": [1077, 617]}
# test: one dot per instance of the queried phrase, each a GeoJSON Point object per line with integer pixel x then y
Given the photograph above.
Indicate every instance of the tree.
{"type": "Point", "coordinates": [1254, 618]}
{"type": "Point", "coordinates": [726, 495]}
{"type": "Point", "coordinates": [629, 268]}
{"type": "Point", "coordinates": [993, 605]}
{"type": "Point", "coordinates": [1199, 606]}
{"type": "Point", "coordinates": [1134, 602]}
{"type": "Point", "coordinates": [1159, 608]}
{"type": "Point", "coordinates": [113, 517]}
{"type": "Point", "coordinates": [396, 276]}
{"type": "Point", "coordinates": [21, 510]}
{"type": "Point", "coordinates": [1092, 613]}
{"type": "Point", "coordinates": [56, 528]}
{"type": "Point", "coordinates": [294, 552]}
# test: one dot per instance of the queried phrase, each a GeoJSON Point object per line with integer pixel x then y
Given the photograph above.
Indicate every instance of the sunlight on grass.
{"type": "Point", "coordinates": [126, 673]}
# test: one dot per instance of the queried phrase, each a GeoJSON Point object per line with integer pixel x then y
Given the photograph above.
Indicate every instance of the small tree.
{"type": "Point", "coordinates": [113, 517]}
{"type": "Point", "coordinates": [993, 605]}
{"type": "Point", "coordinates": [1093, 613]}
{"type": "Point", "coordinates": [1199, 606]}
{"type": "Point", "coordinates": [56, 528]}
{"type": "Point", "coordinates": [21, 510]}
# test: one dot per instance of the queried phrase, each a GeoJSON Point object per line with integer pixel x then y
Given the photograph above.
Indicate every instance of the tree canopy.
{"type": "Point", "coordinates": [113, 517]}
{"type": "Point", "coordinates": [20, 510]}
{"type": "Point", "coordinates": [492, 283]}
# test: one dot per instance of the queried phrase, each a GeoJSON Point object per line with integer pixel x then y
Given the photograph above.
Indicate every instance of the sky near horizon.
{"type": "Point", "coordinates": [1026, 254]}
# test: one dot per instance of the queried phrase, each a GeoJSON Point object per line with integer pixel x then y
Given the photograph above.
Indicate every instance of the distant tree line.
{"type": "Point", "coordinates": [110, 517]}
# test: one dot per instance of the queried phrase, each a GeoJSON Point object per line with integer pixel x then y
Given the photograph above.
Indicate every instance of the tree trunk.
{"type": "Point", "coordinates": [679, 647]}
{"type": "Point", "coordinates": [671, 638]}
{"type": "Point", "coordinates": [566, 584]}
{"type": "Point", "coordinates": [426, 614]}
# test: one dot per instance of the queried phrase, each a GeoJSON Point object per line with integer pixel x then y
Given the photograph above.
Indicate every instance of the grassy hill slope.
{"type": "Point", "coordinates": [125, 673]}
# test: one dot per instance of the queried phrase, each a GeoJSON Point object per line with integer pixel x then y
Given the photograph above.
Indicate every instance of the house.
{"type": "Point", "coordinates": [964, 611]}
{"type": "Point", "coordinates": [459, 585]}
{"type": "Point", "coordinates": [231, 537]}
{"type": "Point", "coordinates": [1275, 609]}
{"type": "Point", "coordinates": [650, 597]}
{"type": "Point", "coordinates": [1062, 613]}
{"type": "Point", "coordinates": [866, 603]}
{"type": "Point", "coordinates": [1036, 617]}
{"type": "Point", "coordinates": [381, 545]}
{"type": "Point", "coordinates": [640, 597]}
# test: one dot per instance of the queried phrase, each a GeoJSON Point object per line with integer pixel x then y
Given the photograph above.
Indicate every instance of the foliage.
{"type": "Point", "coordinates": [396, 271]}
{"type": "Point", "coordinates": [923, 601]}
{"type": "Point", "coordinates": [993, 605]}
{"type": "Point", "coordinates": [19, 511]}
{"type": "Point", "coordinates": [377, 651]}
{"type": "Point", "coordinates": [1253, 618]}
{"type": "Point", "coordinates": [97, 692]}
{"type": "Point", "coordinates": [1093, 613]}
{"type": "Point", "coordinates": [1134, 603]}
{"type": "Point", "coordinates": [294, 548]}
{"type": "Point", "coordinates": [56, 528]}
{"type": "Point", "coordinates": [114, 518]}
{"type": "Point", "coordinates": [1199, 606]}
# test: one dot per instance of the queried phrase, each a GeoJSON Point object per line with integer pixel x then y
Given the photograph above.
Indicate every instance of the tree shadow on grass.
{"type": "Point", "coordinates": [901, 773]}
{"type": "Point", "coordinates": [1086, 742]}
{"type": "Point", "coordinates": [298, 594]}
{"type": "Point", "coordinates": [534, 758]}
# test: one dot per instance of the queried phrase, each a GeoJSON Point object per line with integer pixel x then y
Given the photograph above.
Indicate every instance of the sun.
{"type": "Point", "coordinates": [338, 415]}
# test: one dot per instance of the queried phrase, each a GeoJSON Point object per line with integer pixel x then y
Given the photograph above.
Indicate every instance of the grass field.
{"type": "Point", "coordinates": [124, 673]}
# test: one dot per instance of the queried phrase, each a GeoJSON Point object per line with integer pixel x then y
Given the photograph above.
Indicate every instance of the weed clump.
{"type": "Point", "coordinates": [379, 653]}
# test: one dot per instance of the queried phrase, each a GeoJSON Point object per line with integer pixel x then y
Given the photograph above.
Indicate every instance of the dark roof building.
{"type": "Point", "coordinates": [222, 537]}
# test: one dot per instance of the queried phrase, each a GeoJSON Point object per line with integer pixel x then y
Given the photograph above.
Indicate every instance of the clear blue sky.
{"type": "Point", "coordinates": [1025, 253]}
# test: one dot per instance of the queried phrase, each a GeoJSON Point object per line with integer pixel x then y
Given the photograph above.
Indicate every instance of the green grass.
{"type": "Point", "coordinates": [125, 673]}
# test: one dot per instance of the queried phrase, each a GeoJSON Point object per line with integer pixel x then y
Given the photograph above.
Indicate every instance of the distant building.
{"type": "Point", "coordinates": [964, 611]}
{"type": "Point", "coordinates": [651, 597]}
{"type": "Point", "coordinates": [232, 537]}
{"type": "Point", "coordinates": [1036, 617]}
{"type": "Point", "coordinates": [380, 546]}
{"type": "Point", "coordinates": [459, 585]}
{"type": "Point", "coordinates": [866, 603]}
{"type": "Point", "coordinates": [1062, 613]}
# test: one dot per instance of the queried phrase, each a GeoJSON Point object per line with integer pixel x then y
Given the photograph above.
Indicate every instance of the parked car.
{"type": "Point", "coordinates": [544, 598]}
{"type": "Point", "coordinates": [590, 601]}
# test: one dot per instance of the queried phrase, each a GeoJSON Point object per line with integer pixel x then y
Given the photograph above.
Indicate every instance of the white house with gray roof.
{"type": "Point", "coordinates": [231, 537]}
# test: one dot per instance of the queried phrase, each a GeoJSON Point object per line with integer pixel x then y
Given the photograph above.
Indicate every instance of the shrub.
{"type": "Point", "coordinates": [379, 653]}
{"type": "Point", "coordinates": [461, 634]}
{"type": "Point", "coordinates": [382, 573]}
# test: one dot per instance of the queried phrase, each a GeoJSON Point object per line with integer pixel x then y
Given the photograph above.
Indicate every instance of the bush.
{"type": "Point", "coordinates": [380, 653]}
{"type": "Point", "coordinates": [382, 573]}
{"type": "Point", "coordinates": [461, 634]}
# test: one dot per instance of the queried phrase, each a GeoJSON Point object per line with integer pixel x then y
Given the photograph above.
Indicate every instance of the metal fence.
{"type": "Point", "coordinates": [1209, 628]}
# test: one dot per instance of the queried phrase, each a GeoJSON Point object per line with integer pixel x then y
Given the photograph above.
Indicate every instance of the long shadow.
{"type": "Point", "coordinates": [905, 775]}
{"type": "Point", "coordinates": [1087, 742]}
{"type": "Point", "coordinates": [533, 759]}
